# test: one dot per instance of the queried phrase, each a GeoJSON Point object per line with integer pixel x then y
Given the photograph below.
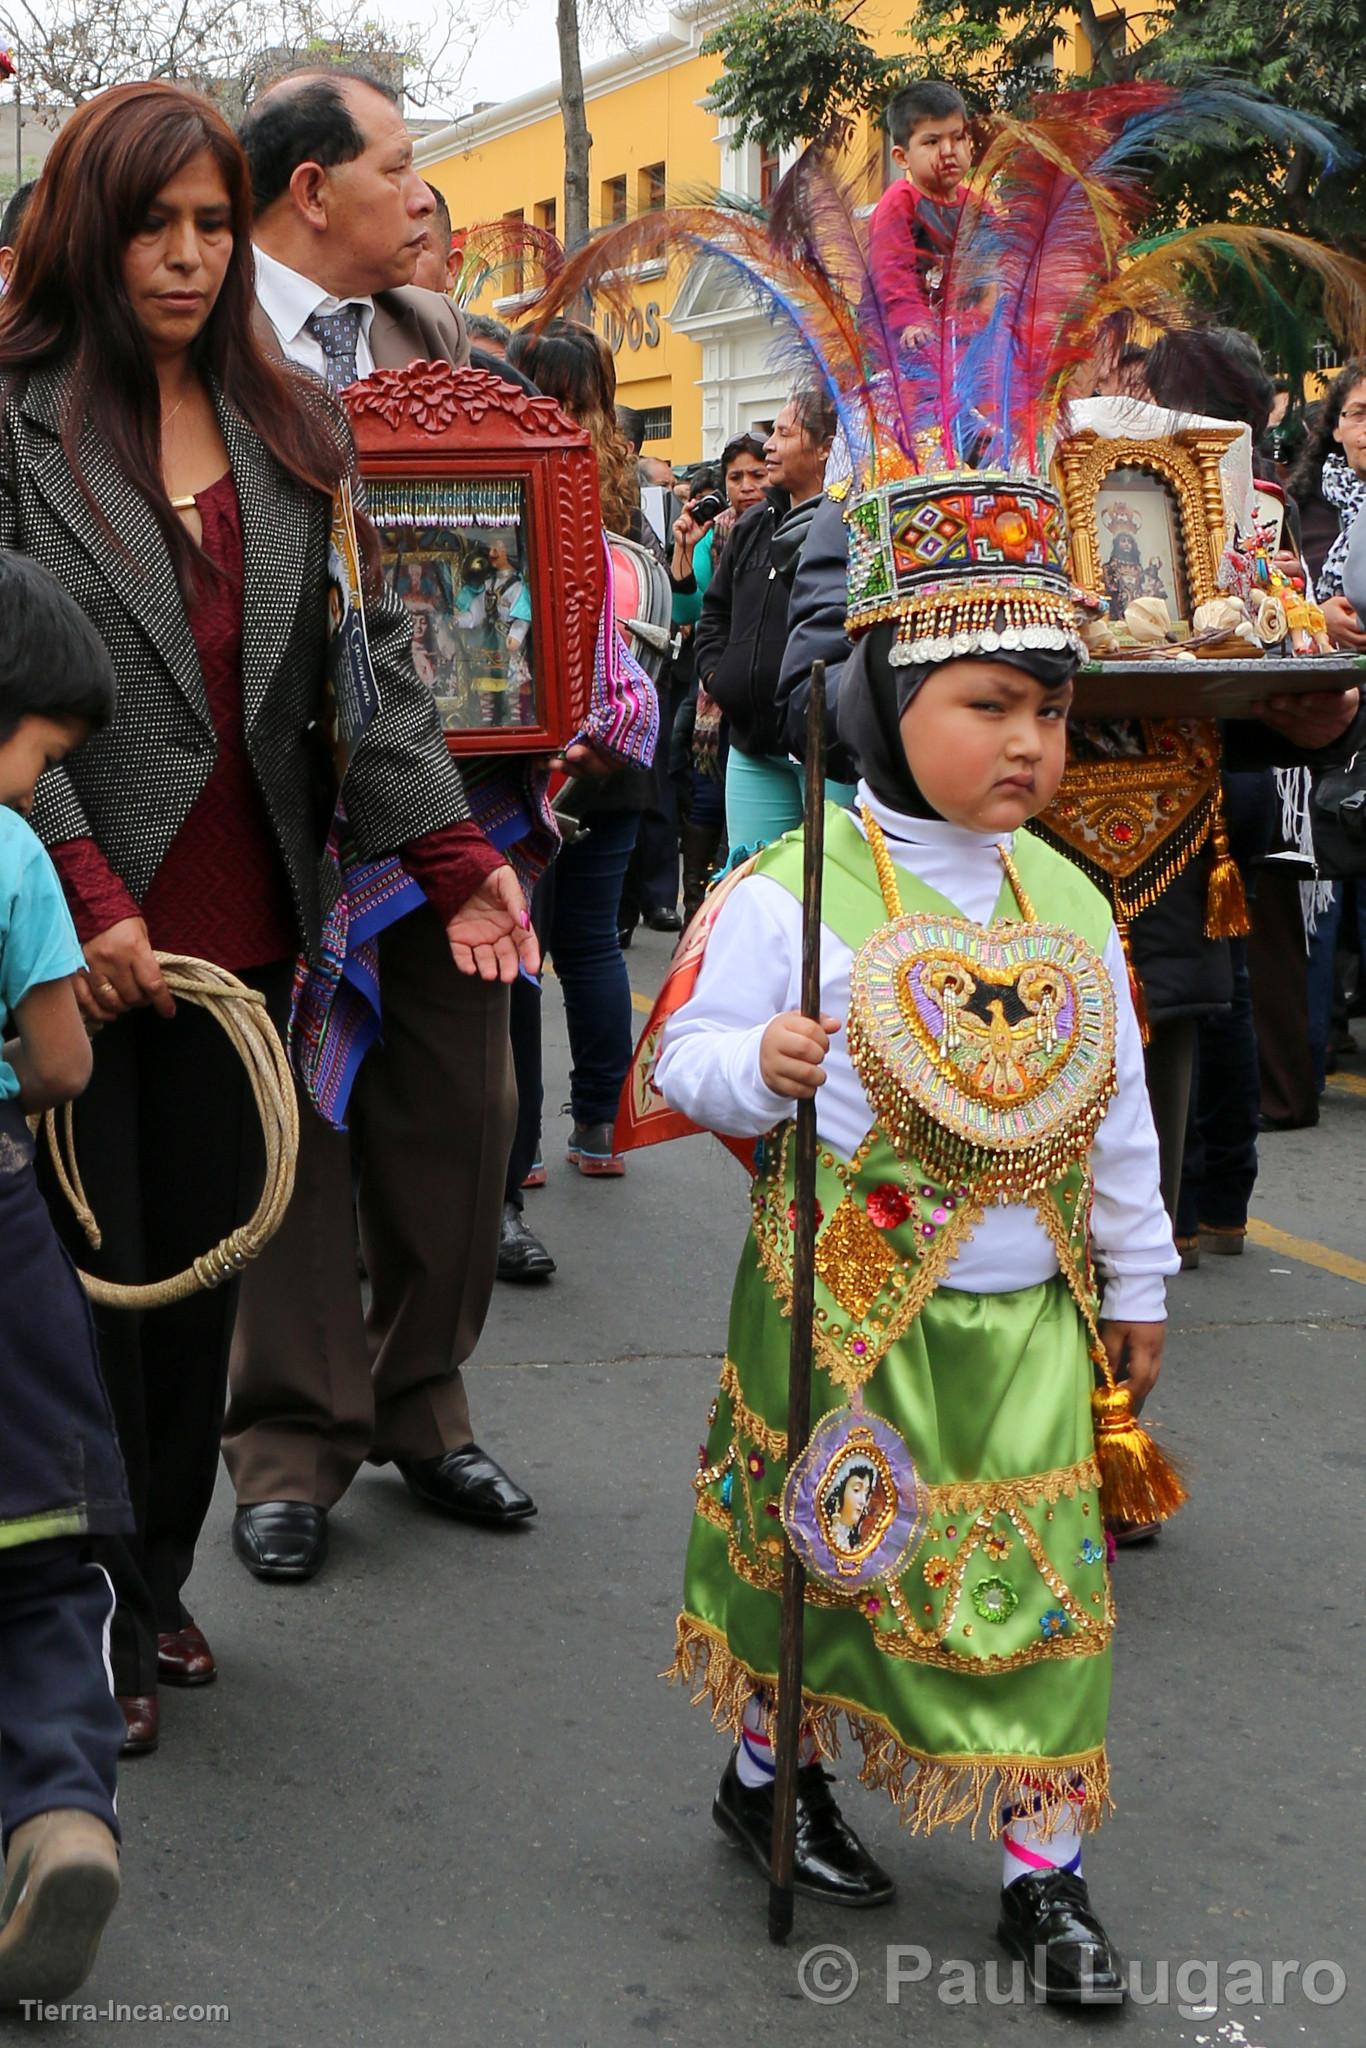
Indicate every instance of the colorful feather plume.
{"type": "Point", "coordinates": [513, 255]}
{"type": "Point", "coordinates": [1043, 260]}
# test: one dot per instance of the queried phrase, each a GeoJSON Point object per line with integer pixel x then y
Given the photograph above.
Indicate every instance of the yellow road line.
{"type": "Point", "coordinates": [642, 1003]}
{"type": "Point", "coordinates": [1307, 1251]}
{"type": "Point", "coordinates": [1348, 1084]}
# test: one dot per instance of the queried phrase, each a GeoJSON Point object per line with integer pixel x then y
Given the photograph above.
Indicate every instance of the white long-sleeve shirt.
{"type": "Point", "coordinates": [709, 1068]}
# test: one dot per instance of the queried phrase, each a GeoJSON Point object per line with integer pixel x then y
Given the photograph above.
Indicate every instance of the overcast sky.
{"type": "Point", "coordinates": [518, 52]}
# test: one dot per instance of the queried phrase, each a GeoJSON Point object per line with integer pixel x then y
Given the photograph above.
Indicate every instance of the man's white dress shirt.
{"type": "Point", "coordinates": [289, 300]}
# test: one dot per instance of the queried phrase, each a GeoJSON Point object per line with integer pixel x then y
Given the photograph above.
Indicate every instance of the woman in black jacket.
{"type": "Point", "coordinates": [743, 630]}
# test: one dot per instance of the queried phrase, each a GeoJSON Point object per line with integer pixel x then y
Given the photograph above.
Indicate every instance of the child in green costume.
{"type": "Point", "coordinates": [986, 1163]}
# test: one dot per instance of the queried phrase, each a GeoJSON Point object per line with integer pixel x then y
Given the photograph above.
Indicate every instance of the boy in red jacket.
{"type": "Point", "coordinates": [913, 222]}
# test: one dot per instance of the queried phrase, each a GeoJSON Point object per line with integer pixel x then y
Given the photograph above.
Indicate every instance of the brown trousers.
{"type": "Point", "coordinates": [316, 1385]}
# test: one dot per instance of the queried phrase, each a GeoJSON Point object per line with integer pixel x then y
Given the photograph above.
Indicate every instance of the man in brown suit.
{"type": "Point", "coordinates": [317, 1386]}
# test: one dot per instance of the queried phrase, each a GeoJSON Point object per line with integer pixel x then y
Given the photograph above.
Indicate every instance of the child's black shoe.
{"type": "Point", "coordinates": [829, 1862]}
{"type": "Point", "coordinates": [1047, 1922]}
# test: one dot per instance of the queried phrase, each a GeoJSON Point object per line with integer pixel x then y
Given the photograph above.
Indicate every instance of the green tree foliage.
{"type": "Point", "coordinates": [792, 66]}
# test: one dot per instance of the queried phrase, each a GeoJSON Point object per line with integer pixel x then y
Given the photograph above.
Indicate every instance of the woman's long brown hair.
{"type": "Point", "coordinates": [569, 362]}
{"type": "Point", "coordinates": [67, 303]}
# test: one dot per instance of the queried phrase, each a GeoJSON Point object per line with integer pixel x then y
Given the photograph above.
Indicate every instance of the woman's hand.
{"type": "Point", "coordinates": [1135, 1354]}
{"type": "Point", "coordinates": [492, 936]}
{"type": "Point", "coordinates": [792, 1054]}
{"type": "Point", "coordinates": [1344, 625]}
{"type": "Point", "coordinates": [122, 974]}
{"type": "Point", "coordinates": [686, 532]}
{"type": "Point", "coordinates": [586, 757]}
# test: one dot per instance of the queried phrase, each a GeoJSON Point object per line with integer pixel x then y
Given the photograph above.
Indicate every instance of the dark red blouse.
{"type": "Point", "coordinates": [221, 893]}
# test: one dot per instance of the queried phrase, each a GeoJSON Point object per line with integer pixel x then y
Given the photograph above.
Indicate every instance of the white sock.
{"type": "Point", "coordinates": [1027, 1853]}
{"type": "Point", "coordinates": [754, 1758]}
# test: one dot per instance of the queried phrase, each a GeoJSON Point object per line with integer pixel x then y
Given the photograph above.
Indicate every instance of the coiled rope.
{"type": "Point", "coordinates": [241, 1011]}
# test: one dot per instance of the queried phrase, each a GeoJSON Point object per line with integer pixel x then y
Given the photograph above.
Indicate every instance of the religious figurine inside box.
{"type": "Point", "coordinates": [485, 500]}
{"type": "Point", "coordinates": [1149, 529]}
{"type": "Point", "coordinates": [1175, 553]}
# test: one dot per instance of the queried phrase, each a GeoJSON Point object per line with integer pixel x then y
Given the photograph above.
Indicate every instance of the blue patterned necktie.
{"type": "Point", "coordinates": [337, 334]}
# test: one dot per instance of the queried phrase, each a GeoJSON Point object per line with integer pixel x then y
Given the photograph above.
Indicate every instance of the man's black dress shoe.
{"type": "Point", "coordinates": [521, 1255]}
{"type": "Point", "coordinates": [281, 1539]}
{"type": "Point", "coordinates": [1047, 1923]}
{"type": "Point", "coordinates": [470, 1484]}
{"type": "Point", "coordinates": [664, 920]}
{"type": "Point", "coordinates": [830, 1862]}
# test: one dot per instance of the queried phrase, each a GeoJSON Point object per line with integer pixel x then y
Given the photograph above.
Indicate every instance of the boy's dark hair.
{"type": "Point", "coordinates": [305, 122]}
{"type": "Point", "coordinates": [12, 219]}
{"type": "Point", "coordinates": [929, 100]}
{"type": "Point", "coordinates": [53, 664]}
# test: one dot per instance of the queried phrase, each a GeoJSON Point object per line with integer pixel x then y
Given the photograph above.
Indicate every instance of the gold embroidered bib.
{"type": "Point", "coordinates": [988, 1052]}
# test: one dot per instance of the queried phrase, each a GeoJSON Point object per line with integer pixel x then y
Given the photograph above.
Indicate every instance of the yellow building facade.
{"type": "Point", "coordinates": [694, 360]}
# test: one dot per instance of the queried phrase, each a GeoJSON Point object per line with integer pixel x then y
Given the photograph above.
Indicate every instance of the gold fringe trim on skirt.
{"type": "Point", "coordinates": [928, 1792]}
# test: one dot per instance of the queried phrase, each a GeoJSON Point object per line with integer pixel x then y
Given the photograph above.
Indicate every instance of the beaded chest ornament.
{"type": "Point", "coordinates": [987, 1053]}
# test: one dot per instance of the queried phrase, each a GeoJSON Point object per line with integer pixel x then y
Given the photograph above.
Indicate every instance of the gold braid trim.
{"type": "Point", "coordinates": [922, 1646]}
{"type": "Point", "coordinates": [1026, 909]}
{"type": "Point", "coordinates": [748, 1423]}
{"type": "Point", "coordinates": [962, 1496]}
{"type": "Point", "coordinates": [999, 1496]}
{"type": "Point", "coordinates": [1078, 1283]}
{"type": "Point", "coordinates": [927, 1791]}
{"type": "Point", "coordinates": [889, 1322]}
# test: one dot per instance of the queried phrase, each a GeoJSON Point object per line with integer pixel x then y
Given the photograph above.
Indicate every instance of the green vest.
{"type": "Point", "coordinates": [888, 1227]}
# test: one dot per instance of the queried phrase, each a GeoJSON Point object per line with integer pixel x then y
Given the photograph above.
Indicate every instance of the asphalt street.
{"type": "Point", "coordinates": [439, 1795]}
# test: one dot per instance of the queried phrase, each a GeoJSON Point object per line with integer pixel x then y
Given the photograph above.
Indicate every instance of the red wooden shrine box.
{"type": "Point", "coordinates": [486, 504]}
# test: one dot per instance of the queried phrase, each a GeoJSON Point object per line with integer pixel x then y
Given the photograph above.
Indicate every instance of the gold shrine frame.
{"type": "Point", "coordinates": [1186, 466]}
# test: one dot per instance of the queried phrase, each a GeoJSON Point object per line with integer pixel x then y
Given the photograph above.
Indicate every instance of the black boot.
{"type": "Point", "coordinates": [698, 844]}
{"type": "Point", "coordinates": [830, 1862]}
{"type": "Point", "coordinates": [1047, 1922]}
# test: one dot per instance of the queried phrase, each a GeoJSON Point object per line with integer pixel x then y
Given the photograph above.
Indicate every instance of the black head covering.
{"type": "Point", "coordinates": [872, 701]}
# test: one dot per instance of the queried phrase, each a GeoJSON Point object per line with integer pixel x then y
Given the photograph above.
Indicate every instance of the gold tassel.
{"type": "Point", "coordinates": [1138, 1481]}
{"type": "Point", "coordinates": [1135, 985]}
{"type": "Point", "coordinates": [1225, 903]}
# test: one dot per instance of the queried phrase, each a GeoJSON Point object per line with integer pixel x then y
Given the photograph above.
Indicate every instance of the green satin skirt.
{"type": "Point", "coordinates": [980, 1676]}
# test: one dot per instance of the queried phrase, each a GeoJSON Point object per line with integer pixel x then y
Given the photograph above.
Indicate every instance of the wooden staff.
{"type": "Point", "coordinates": [788, 1731]}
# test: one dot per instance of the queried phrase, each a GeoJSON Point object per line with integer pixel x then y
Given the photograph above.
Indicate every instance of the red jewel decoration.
{"type": "Point", "coordinates": [889, 1205]}
{"type": "Point", "coordinates": [792, 1215]}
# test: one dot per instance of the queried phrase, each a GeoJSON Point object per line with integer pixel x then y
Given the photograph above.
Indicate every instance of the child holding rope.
{"type": "Point", "coordinates": [61, 1475]}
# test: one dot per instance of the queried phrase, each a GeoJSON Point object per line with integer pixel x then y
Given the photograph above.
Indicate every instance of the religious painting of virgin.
{"type": "Point", "coordinates": [1138, 524]}
{"type": "Point", "coordinates": [456, 555]}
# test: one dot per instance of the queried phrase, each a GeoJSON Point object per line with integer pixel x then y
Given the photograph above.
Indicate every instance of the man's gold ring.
{"type": "Point", "coordinates": [107, 988]}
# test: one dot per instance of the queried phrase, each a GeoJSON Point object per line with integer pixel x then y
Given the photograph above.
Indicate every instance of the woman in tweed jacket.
{"type": "Point", "coordinates": [178, 483]}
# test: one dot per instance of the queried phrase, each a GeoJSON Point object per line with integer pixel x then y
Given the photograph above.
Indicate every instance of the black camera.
{"type": "Point", "coordinates": [704, 509]}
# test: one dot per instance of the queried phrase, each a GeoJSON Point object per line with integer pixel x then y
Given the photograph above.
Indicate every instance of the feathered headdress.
{"type": "Point", "coordinates": [955, 531]}
{"type": "Point", "coordinates": [503, 252]}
